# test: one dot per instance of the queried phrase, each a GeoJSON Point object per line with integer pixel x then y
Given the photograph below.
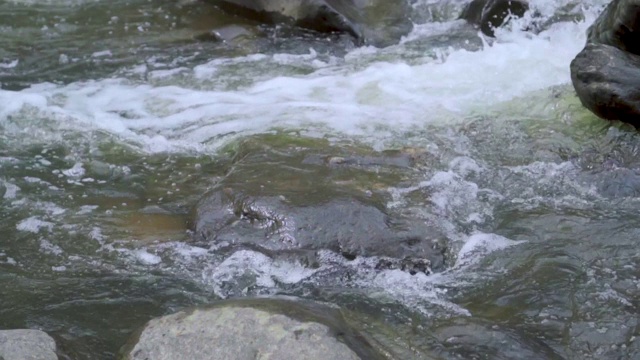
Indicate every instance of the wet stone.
{"type": "Point", "coordinates": [350, 227]}
{"type": "Point", "coordinates": [377, 22]}
{"type": "Point", "coordinates": [293, 197]}
{"type": "Point", "coordinates": [26, 344]}
{"type": "Point", "coordinates": [491, 14]}
{"type": "Point", "coordinates": [251, 329]}
{"type": "Point", "coordinates": [605, 74]}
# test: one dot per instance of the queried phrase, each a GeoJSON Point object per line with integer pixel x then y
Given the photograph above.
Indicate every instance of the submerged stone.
{"type": "Point", "coordinates": [295, 201]}
{"type": "Point", "coordinates": [347, 226]}
{"type": "Point", "coordinates": [491, 14]}
{"type": "Point", "coordinates": [606, 73]}
{"type": "Point", "coordinates": [315, 14]}
{"type": "Point", "coordinates": [26, 344]}
{"type": "Point", "coordinates": [248, 329]}
{"type": "Point", "coordinates": [373, 21]}
{"type": "Point", "coordinates": [469, 338]}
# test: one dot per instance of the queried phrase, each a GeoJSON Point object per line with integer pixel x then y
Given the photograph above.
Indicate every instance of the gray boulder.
{"type": "Point", "coordinates": [26, 345]}
{"type": "Point", "coordinates": [606, 73]}
{"type": "Point", "coordinates": [491, 14]}
{"type": "Point", "coordinates": [248, 329]}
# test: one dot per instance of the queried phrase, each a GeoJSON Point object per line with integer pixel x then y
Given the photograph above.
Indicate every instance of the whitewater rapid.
{"type": "Point", "coordinates": [184, 108]}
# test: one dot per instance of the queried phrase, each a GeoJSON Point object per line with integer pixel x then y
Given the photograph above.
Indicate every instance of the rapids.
{"type": "Point", "coordinates": [115, 119]}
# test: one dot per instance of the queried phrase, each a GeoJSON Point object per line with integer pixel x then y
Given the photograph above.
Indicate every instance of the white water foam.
{"type": "Point", "coordinates": [260, 270]}
{"type": "Point", "coordinates": [382, 98]}
{"type": "Point", "coordinates": [49, 248]}
{"type": "Point", "coordinates": [147, 258]}
{"type": "Point", "coordinates": [34, 225]}
{"type": "Point", "coordinates": [11, 190]}
{"type": "Point", "coordinates": [8, 65]}
{"type": "Point", "coordinates": [478, 246]}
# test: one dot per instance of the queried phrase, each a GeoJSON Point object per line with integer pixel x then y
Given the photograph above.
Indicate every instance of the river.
{"type": "Point", "coordinates": [117, 116]}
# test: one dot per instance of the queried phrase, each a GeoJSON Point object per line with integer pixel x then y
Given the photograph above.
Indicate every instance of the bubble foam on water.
{"type": "Point", "coordinates": [11, 190]}
{"type": "Point", "coordinates": [478, 246]}
{"type": "Point", "coordinates": [147, 258]}
{"type": "Point", "coordinates": [378, 100]}
{"type": "Point", "coordinates": [246, 268]}
{"type": "Point", "coordinates": [34, 225]}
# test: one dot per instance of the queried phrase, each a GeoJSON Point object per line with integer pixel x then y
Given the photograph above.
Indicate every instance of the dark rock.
{"type": "Point", "coordinates": [606, 73]}
{"type": "Point", "coordinates": [491, 14]}
{"type": "Point", "coordinates": [290, 197]}
{"type": "Point", "coordinates": [350, 227]}
{"type": "Point", "coordinates": [607, 80]}
{"type": "Point", "coordinates": [381, 22]}
{"type": "Point", "coordinates": [378, 22]}
{"type": "Point", "coordinates": [619, 26]}
{"type": "Point", "coordinates": [313, 14]}
{"type": "Point", "coordinates": [26, 344]}
{"type": "Point", "coordinates": [247, 329]}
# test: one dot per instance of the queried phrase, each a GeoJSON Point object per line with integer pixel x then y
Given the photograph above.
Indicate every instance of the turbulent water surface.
{"type": "Point", "coordinates": [117, 116]}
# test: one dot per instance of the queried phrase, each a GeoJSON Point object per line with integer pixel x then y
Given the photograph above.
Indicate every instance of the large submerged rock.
{"type": "Point", "coordinates": [350, 227]}
{"type": "Point", "coordinates": [26, 344]}
{"type": "Point", "coordinates": [294, 202]}
{"type": "Point", "coordinates": [606, 73]}
{"type": "Point", "coordinates": [248, 329]}
{"type": "Point", "coordinates": [379, 22]}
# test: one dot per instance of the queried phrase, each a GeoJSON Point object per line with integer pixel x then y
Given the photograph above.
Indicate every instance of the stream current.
{"type": "Point", "coordinates": [116, 117]}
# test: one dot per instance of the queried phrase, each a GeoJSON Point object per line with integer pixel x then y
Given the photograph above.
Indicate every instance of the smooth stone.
{"type": "Point", "coordinates": [606, 73]}
{"type": "Point", "coordinates": [26, 344]}
{"type": "Point", "coordinates": [350, 227]}
{"type": "Point", "coordinates": [248, 329]}
{"type": "Point", "coordinates": [491, 14]}
{"type": "Point", "coordinates": [607, 81]}
{"type": "Point", "coordinates": [294, 197]}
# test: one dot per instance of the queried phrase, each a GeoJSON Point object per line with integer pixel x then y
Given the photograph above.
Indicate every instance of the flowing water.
{"type": "Point", "coordinates": [117, 116]}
